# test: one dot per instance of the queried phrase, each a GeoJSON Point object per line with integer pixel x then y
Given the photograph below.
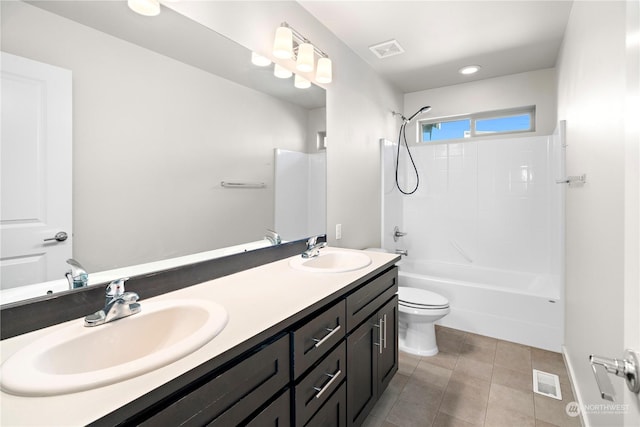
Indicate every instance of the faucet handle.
{"type": "Point", "coordinates": [116, 288]}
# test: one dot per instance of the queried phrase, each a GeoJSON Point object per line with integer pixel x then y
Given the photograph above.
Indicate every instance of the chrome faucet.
{"type": "Point", "coordinates": [77, 276]}
{"type": "Point", "coordinates": [313, 247]}
{"type": "Point", "coordinates": [273, 237]}
{"type": "Point", "coordinates": [118, 304]}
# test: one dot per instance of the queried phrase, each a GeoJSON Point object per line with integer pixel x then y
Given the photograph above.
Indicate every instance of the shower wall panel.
{"type": "Point", "coordinates": [489, 203]}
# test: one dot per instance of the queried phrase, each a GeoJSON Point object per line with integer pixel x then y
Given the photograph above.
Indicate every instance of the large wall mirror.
{"type": "Point", "coordinates": [164, 110]}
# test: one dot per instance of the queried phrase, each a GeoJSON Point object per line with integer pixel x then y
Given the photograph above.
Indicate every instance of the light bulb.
{"type": "Point", "coordinates": [259, 60]}
{"type": "Point", "coordinates": [145, 7]}
{"type": "Point", "coordinates": [324, 73]}
{"type": "Point", "coordinates": [305, 58]}
{"type": "Point", "coordinates": [283, 43]}
{"type": "Point", "coordinates": [301, 83]}
{"type": "Point", "coordinates": [469, 69]}
{"type": "Point", "coordinates": [280, 72]}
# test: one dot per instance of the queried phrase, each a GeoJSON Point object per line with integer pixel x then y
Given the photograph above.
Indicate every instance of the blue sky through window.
{"type": "Point", "coordinates": [445, 130]}
{"type": "Point", "coordinates": [459, 129]}
{"type": "Point", "coordinates": [504, 124]}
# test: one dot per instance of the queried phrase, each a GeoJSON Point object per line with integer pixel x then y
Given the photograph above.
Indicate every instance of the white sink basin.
{"type": "Point", "coordinates": [331, 261]}
{"type": "Point", "coordinates": [77, 358]}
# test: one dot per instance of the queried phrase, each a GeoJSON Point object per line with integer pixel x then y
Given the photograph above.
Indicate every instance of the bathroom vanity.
{"type": "Point", "coordinates": [300, 348]}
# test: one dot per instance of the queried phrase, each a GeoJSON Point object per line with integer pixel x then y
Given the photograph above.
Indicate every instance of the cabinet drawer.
{"type": "Point", "coordinates": [277, 414]}
{"type": "Point", "coordinates": [367, 300]}
{"type": "Point", "coordinates": [234, 394]}
{"type": "Point", "coordinates": [319, 384]}
{"type": "Point", "coordinates": [334, 411]}
{"type": "Point", "coordinates": [312, 340]}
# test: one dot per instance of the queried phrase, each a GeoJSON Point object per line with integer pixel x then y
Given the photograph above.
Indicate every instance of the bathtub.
{"type": "Point", "coordinates": [514, 306]}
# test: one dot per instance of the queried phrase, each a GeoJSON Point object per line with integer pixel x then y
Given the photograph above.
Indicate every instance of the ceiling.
{"type": "Point", "coordinates": [440, 37]}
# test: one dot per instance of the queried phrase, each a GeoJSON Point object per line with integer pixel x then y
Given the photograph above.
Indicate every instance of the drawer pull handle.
{"type": "Point", "coordinates": [385, 330]}
{"type": "Point", "coordinates": [328, 384]}
{"type": "Point", "coordinates": [326, 337]}
{"type": "Point", "coordinates": [381, 340]}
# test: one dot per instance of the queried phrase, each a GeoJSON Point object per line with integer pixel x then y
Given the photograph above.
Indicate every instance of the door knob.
{"type": "Point", "coordinates": [60, 236]}
{"type": "Point", "coordinates": [626, 368]}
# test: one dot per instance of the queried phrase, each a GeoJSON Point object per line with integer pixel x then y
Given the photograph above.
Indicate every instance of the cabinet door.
{"type": "Point", "coordinates": [333, 413]}
{"type": "Point", "coordinates": [277, 414]}
{"type": "Point", "coordinates": [388, 358]}
{"type": "Point", "coordinates": [362, 370]}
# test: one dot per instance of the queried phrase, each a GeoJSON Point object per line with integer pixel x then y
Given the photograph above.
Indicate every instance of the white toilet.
{"type": "Point", "coordinates": [419, 309]}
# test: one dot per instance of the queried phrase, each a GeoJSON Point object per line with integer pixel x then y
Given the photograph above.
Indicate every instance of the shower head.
{"type": "Point", "coordinates": [420, 111]}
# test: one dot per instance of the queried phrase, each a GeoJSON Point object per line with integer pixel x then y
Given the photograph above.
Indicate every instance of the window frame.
{"type": "Point", "coordinates": [473, 118]}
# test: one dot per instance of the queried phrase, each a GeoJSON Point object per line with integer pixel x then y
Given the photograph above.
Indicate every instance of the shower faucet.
{"type": "Point", "coordinates": [397, 233]}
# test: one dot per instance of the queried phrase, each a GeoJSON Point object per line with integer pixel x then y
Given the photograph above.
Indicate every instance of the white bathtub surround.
{"type": "Point", "coordinates": [485, 230]}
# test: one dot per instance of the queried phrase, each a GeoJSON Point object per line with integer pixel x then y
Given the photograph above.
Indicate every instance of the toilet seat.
{"type": "Point", "coordinates": [421, 299]}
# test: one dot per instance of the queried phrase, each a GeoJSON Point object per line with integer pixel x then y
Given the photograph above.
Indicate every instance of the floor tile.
{"type": "Point", "coordinates": [479, 352]}
{"type": "Point", "coordinates": [473, 381]}
{"type": "Point", "coordinates": [474, 368]}
{"type": "Point", "coordinates": [511, 399]}
{"type": "Point", "coordinates": [466, 398]}
{"type": "Point", "coordinates": [554, 411]}
{"type": "Point", "coordinates": [513, 356]}
{"type": "Point", "coordinates": [502, 417]}
{"type": "Point", "coordinates": [431, 374]}
{"type": "Point", "coordinates": [407, 363]}
{"type": "Point", "coordinates": [518, 380]}
{"type": "Point", "coordinates": [444, 359]}
{"type": "Point", "coordinates": [444, 420]}
{"type": "Point", "coordinates": [408, 414]}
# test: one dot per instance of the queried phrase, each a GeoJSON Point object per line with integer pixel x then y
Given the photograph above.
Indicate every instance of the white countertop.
{"type": "Point", "coordinates": [256, 300]}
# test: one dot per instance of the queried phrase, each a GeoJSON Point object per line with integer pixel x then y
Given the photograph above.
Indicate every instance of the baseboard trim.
{"type": "Point", "coordinates": [576, 392]}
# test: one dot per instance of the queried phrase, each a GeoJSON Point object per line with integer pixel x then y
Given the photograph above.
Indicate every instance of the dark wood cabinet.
{"type": "Point", "coordinates": [372, 354]}
{"type": "Point", "coordinates": [277, 414]}
{"type": "Point", "coordinates": [334, 412]}
{"type": "Point", "coordinates": [328, 368]}
{"type": "Point", "coordinates": [231, 396]}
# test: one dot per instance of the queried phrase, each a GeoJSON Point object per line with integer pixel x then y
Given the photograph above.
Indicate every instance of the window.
{"type": "Point", "coordinates": [479, 124]}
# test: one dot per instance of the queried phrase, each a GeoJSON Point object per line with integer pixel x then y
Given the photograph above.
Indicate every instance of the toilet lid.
{"type": "Point", "coordinates": [420, 298]}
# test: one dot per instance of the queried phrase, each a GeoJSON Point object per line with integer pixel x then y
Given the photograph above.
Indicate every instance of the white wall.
{"type": "Point", "coordinates": [150, 150]}
{"type": "Point", "coordinates": [359, 105]}
{"type": "Point", "coordinates": [518, 90]}
{"type": "Point", "coordinates": [591, 95]}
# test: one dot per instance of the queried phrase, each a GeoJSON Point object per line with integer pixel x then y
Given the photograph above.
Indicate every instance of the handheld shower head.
{"type": "Point", "coordinates": [420, 111]}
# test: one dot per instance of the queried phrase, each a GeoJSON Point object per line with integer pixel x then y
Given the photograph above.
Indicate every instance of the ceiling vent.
{"type": "Point", "coordinates": [387, 49]}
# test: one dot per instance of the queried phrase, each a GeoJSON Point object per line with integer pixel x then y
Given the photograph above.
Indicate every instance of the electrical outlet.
{"type": "Point", "coordinates": [338, 231]}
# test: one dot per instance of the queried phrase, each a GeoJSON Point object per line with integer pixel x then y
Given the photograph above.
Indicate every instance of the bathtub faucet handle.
{"type": "Point", "coordinates": [397, 233]}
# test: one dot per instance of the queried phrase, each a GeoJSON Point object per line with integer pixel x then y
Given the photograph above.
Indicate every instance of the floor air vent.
{"type": "Point", "coordinates": [387, 49]}
{"type": "Point", "coordinates": [546, 384]}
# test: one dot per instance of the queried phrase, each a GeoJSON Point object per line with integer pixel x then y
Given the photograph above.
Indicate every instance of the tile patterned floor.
{"type": "Point", "coordinates": [473, 381]}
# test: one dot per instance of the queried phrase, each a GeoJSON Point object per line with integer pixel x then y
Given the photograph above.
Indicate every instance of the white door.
{"type": "Point", "coordinates": [36, 162]}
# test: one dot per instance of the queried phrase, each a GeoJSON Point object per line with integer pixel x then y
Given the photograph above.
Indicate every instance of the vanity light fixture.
{"type": "Point", "coordinates": [301, 83]}
{"type": "Point", "coordinates": [259, 60]}
{"type": "Point", "coordinates": [469, 69]}
{"type": "Point", "coordinates": [290, 44]}
{"type": "Point", "coordinates": [145, 7]}
{"type": "Point", "coordinates": [280, 72]}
